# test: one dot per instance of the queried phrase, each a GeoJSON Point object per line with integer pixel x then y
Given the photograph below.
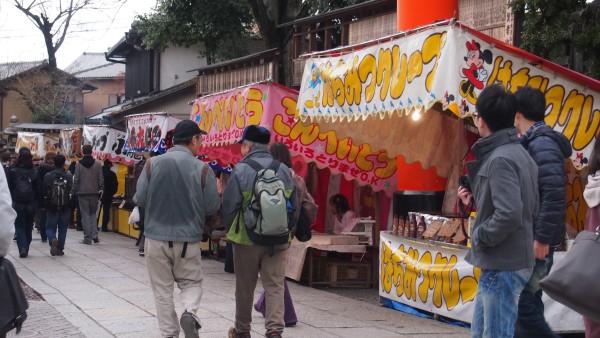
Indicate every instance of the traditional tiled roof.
{"type": "Point", "coordinates": [94, 66]}
{"type": "Point", "coordinates": [13, 68]}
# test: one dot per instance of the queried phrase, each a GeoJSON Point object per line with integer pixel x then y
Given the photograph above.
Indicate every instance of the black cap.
{"type": "Point", "coordinates": [256, 134]}
{"type": "Point", "coordinates": [187, 128]}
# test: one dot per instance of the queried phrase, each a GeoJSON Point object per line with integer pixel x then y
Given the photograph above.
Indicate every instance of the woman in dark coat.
{"type": "Point", "coordinates": [23, 185]}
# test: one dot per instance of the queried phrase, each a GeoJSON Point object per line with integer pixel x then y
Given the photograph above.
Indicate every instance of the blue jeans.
{"type": "Point", "coordinates": [24, 223]}
{"type": "Point", "coordinates": [496, 303]}
{"type": "Point", "coordinates": [57, 219]}
{"type": "Point", "coordinates": [531, 322]}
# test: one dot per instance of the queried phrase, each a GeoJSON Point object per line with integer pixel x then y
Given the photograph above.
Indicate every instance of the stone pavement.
{"type": "Point", "coordinates": [103, 290]}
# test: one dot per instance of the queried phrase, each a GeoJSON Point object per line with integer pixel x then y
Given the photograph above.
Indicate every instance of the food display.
{"type": "Point", "coordinates": [431, 227]}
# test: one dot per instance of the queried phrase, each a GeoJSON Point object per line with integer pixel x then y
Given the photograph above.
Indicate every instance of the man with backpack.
{"type": "Point", "coordinates": [57, 188]}
{"type": "Point", "coordinates": [88, 185]}
{"type": "Point", "coordinates": [258, 207]}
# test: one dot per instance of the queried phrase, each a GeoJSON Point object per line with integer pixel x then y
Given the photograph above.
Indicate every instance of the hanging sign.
{"type": "Point", "coordinates": [70, 142]}
{"type": "Point", "coordinates": [38, 143]}
{"type": "Point", "coordinates": [225, 115]}
{"type": "Point", "coordinates": [147, 132]}
{"type": "Point", "coordinates": [449, 65]}
{"type": "Point", "coordinates": [108, 143]}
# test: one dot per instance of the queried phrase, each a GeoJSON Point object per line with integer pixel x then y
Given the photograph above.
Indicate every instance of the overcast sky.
{"type": "Point", "coordinates": [90, 31]}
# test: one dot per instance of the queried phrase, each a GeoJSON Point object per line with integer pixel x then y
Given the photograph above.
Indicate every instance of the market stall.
{"type": "Point", "coordinates": [38, 143]}
{"type": "Point", "coordinates": [337, 160]}
{"type": "Point", "coordinates": [108, 143]}
{"type": "Point", "coordinates": [410, 94]}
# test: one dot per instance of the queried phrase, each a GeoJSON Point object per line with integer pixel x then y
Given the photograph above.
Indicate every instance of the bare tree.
{"type": "Point", "coordinates": [53, 18]}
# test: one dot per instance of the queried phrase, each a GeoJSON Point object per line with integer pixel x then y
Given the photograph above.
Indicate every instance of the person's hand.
{"type": "Point", "coordinates": [540, 250]}
{"type": "Point", "coordinates": [465, 195]}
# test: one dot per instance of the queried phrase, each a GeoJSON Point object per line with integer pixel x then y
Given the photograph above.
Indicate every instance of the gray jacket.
{"type": "Point", "coordinates": [88, 178]}
{"type": "Point", "coordinates": [504, 182]}
{"type": "Point", "coordinates": [175, 204]}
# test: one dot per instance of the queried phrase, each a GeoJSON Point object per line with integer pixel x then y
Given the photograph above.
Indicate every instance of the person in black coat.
{"type": "Point", "coordinates": [23, 185]}
{"type": "Point", "coordinates": [44, 168]}
{"type": "Point", "coordinates": [75, 204]}
{"type": "Point", "coordinates": [549, 150]}
{"type": "Point", "coordinates": [111, 185]}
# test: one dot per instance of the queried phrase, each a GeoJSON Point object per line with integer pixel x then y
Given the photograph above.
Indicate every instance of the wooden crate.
{"type": "Point", "coordinates": [346, 274]}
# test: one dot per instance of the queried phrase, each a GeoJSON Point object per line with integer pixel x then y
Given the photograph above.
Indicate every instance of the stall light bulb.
{"type": "Point", "coordinates": [416, 116]}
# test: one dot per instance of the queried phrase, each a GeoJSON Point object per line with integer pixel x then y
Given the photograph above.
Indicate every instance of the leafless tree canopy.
{"type": "Point", "coordinates": [54, 17]}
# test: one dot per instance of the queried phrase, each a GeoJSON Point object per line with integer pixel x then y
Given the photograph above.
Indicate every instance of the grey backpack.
{"type": "Point", "coordinates": [266, 217]}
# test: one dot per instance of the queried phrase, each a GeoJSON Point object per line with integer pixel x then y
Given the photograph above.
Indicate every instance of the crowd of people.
{"type": "Point", "coordinates": [45, 197]}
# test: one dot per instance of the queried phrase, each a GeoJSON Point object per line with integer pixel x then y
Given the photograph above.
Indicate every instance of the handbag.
{"type": "Point", "coordinates": [14, 303]}
{"type": "Point", "coordinates": [574, 280]}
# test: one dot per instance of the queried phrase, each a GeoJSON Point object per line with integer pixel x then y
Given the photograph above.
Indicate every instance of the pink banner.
{"type": "Point", "coordinates": [225, 115]}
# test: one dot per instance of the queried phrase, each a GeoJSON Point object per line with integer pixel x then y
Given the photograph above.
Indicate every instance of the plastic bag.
{"type": "Point", "coordinates": [134, 217]}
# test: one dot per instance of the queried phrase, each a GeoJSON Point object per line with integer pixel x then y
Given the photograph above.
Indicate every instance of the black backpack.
{"type": "Point", "coordinates": [23, 191]}
{"type": "Point", "coordinates": [14, 304]}
{"type": "Point", "coordinates": [58, 196]}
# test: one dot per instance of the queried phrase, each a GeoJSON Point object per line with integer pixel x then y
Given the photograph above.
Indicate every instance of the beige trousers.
{"type": "Point", "coordinates": [248, 262]}
{"type": "Point", "coordinates": [165, 267]}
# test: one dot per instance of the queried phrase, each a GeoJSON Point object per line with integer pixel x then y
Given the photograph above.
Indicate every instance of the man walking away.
{"type": "Point", "coordinates": [88, 185]}
{"type": "Point", "coordinates": [57, 188]}
{"type": "Point", "coordinates": [177, 192]}
{"type": "Point", "coordinates": [504, 181]}
{"type": "Point", "coordinates": [249, 257]}
{"type": "Point", "coordinates": [111, 185]}
{"type": "Point", "coordinates": [549, 149]}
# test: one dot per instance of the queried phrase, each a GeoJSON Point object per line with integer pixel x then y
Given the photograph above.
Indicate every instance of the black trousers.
{"type": "Point", "coordinates": [106, 205]}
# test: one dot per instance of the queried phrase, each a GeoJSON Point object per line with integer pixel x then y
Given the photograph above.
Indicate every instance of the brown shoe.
{"type": "Point", "coordinates": [234, 334]}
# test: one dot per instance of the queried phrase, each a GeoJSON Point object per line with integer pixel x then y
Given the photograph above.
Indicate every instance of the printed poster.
{"type": "Point", "coordinates": [38, 143]}
{"type": "Point", "coordinates": [147, 132]}
{"type": "Point", "coordinates": [108, 143]}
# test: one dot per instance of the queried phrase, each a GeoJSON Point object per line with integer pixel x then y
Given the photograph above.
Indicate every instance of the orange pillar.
{"type": "Point", "coordinates": [415, 13]}
{"type": "Point", "coordinates": [412, 177]}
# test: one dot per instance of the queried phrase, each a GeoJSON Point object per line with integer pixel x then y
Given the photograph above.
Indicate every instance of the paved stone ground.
{"type": "Point", "coordinates": [103, 290]}
{"type": "Point", "coordinates": [45, 321]}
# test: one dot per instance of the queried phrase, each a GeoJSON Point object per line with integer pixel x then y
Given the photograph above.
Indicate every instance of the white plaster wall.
{"type": "Point", "coordinates": [175, 63]}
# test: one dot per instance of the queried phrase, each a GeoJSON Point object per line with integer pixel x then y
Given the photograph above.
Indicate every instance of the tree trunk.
{"type": "Point", "coordinates": [49, 44]}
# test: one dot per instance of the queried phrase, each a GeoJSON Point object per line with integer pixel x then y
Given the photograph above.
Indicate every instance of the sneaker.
{"type": "Point", "coordinates": [273, 335]}
{"type": "Point", "coordinates": [233, 334]}
{"type": "Point", "coordinates": [54, 247]}
{"type": "Point", "coordinates": [96, 240]}
{"type": "Point", "coordinates": [141, 253]}
{"type": "Point", "coordinates": [190, 324]}
{"type": "Point", "coordinates": [85, 242]}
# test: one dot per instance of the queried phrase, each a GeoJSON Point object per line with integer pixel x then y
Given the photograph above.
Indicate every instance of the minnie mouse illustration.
{"type": "Point", "coordinates": [579, 161]}
{"type": "Point", "coordinates": [475, 73]}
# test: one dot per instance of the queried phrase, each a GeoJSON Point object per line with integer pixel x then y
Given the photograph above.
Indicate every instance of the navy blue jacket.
{"type": "Point", "coordinates": [549, 149]}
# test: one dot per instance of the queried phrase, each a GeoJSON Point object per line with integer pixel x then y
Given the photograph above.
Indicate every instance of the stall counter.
{"type": "Point", "coordinates": [434, 276]}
